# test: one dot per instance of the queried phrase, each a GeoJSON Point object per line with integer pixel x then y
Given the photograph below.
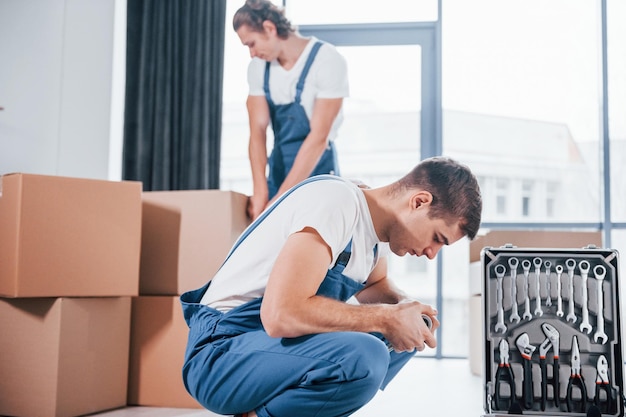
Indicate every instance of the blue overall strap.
{"type": "Point", "coordinates": [343, 258]}
{"type": "Point", "coordinates": [303, 74]}
{"type": "Point", "coordinates": [266, 84]}
{"type": "Point", "coordinates": [273, 206]}
{"type": "Point", "coordinates": [305, 70]}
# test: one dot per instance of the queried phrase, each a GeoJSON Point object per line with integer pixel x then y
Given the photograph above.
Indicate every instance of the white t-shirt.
{"type": "Point", "coordinates": [327, 78]}
{"type": "Point", "coordinates": [335, 208]}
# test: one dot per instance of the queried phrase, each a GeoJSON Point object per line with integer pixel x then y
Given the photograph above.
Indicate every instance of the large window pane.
{"type": "Point", "coordinates": [616, 15]}
{"type": "Point", "coordinates": [521, 95]}
{"type": "Point", "coordinates": [307, 12]}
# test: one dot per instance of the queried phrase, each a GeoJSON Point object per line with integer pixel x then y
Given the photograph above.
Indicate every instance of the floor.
{"type": "Point", "coordinates": [425, 387]}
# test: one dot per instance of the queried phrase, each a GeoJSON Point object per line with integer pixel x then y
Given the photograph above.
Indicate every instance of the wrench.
{"type": "Point", "coordinates": [538, 310]}
{"type": "Point", "coordinates": [599, 271]}
{"type": "Point", "coordinates": [500, 270]}
{"type": "Point", "coordinates": [526, 267]}
{"type": "Point", "coordinates": [559, 299]}
{"type": "Point", "coordinates": [570, 264]}
{"type": "Point", "coordinates": [526, 350]}
{"type": "Point", "coordinates": [548, 264]}
{"type": "Point", "coordinates": [513, 262]}
{"type": "Point", "coordinates": [584, 267]}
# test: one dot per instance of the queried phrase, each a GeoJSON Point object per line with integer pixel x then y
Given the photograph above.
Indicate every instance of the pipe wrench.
{"type": "Point", "coordinates": [526, 349]}
{"type": "Point", "coordinates": [551, 342]}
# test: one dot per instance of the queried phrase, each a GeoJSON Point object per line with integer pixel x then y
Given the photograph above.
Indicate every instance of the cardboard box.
{"type": "Point", "coordinates": [157, 348]}
{"type": "Point", "coordinates": [63, 237]}
{"type": "Point", "coordinates": [533, 239]}
{"type": "Point", "coordinates": [186, 235]}
{"type": "Point", "coordinates": [63, 357]}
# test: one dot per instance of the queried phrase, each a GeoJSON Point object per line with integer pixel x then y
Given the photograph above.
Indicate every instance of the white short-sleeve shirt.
{"type": "Point", "coordinates": [327, 78]}
{"type": "Point", "coordinates": [335, 208]}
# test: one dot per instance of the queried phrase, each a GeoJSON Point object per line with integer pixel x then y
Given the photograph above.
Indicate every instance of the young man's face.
{"type": "Point", "coordinates": [417, 234]}
{"type": "Point", "coordinates": [263, 45]}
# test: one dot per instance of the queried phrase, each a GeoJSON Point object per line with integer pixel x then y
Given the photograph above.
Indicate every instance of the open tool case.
{"type": "Point", "coordinates": [552, 332]}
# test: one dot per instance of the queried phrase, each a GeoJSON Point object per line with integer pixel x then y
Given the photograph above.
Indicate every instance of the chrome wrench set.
{"type": "Point", "coordinates": [552, 331]}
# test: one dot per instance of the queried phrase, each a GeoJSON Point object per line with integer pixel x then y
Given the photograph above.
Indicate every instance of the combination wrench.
{"type": "Point", "coordinates": [599, 271]}
{"type": "Point", "coordinates": [570, 264]}
{"type": "Point", "coordinates": [500, 270]}
{"type": "Point", "coordinates": [513, 262]}
{"type": "Point", "coordinates": [537, 263]}
{"type": "Point", "coordinates": [559, 299]}
{"type": "Point", "coordinates": [526, 268]}
{"type": "Point", "coordinates": [548, 265]}
{"type": "Point", "coordinates": [584, 267]}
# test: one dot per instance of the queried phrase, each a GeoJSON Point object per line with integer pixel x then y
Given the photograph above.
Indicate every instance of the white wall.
{"type": "Point", "coordinates": [62, 87]}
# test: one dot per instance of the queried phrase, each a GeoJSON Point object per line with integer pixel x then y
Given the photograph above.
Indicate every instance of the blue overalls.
{"type": "Point", "coordinates": [232, 366]}
{"type": "Point", "coordinates": [291, 126]}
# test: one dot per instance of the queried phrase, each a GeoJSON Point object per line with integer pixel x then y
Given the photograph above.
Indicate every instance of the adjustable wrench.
{"type": "Point", "coordinates": [599, 271]}
{"type": "Point", "coordinates": [500, 270]}
{"type": "Point", "coordinates": [570, 264]}
{"type": "Point", "coordinates": [526, 268]}
{"type": "Point", "coordinates": [526, 349]}
{"type": "Point", "coordinates": [548, 264]}
{"type": "Point", "coordinates": [559, 299]}
{"type": "Point", "coordinates": [584, 267]}
{"type": "Point", "coordinates": [513, 262]}
{"type": "Point", "coordinates": [538, 310]}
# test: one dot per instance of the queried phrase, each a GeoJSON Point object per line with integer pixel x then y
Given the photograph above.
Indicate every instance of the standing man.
{"type": "Point", "coordinates": [298, 84]}
{"type": "Point", "coordinates": [271, 334]}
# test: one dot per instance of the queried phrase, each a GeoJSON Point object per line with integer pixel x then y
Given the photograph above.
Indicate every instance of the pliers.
{"type": "Point", "coordinates": [504, 375]}
{"type": "Point", "coordinates": [576, 380]}
{"type": "Point", "coordinates": [551, 341]}
{"type": "Point", "coordinates": [603, 402]}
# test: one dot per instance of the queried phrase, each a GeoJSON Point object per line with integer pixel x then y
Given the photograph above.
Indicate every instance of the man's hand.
{"type": "Point", "coordinates": [256, 204]}
{"type": "Point", "coordinates": [407, 330]}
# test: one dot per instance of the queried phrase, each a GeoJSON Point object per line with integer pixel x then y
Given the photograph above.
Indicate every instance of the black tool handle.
{"type": "Point", "coordinates": [555, 379]}
{"type": "Point", "coordinates": [527, 391]}
{"type": "Point", "coordinates": [544, 382]}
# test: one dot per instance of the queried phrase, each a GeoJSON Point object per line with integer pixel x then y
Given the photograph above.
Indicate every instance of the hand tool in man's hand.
{"type": "Point", "coordinates": [551, 342]}
{"type": "Point", "coordinates": [513, 262]}
{"type": "Point", "coordinates": [504, 376]}
{"type": "Point", "coordinates": [599, 271]}
{"type": "Point", "coordinates": [526, 349]}
{"type": "Point", "coordinates": [427, 320]}
{"type": "Point", "coordinates": [500, 270]}
{"type": "Point", "coordinates": [576, 380]}
{"type": "Point", "coordinates": [526, 268]}
{"type": "Point", "coordinates": [604, 392]}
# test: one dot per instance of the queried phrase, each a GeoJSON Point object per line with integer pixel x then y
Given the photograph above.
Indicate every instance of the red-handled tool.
{"type": "Point", "coordinates": [504, 376]}
{"type": "Point", "coordinates": [526, 349]}
{"type": "Point", "coordinates": [551, 342]}
{"type": "Point", "coordinates": [576, 380]}
{"type": "Point", "coordinates": [604, 393]}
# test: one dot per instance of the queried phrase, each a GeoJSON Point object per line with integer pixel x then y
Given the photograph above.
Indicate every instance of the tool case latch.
{"type": "Point", "coordinates": [590, 246]}
{"type": "Point", "coordinates": [508, 246]}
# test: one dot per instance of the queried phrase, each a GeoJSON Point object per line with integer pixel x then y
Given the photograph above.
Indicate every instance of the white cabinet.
{"type": "Point", "coordinates": [62, 67]}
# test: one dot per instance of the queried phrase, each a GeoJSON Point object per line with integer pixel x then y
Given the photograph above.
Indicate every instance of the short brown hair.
{"type": "Point", "coordinates": [455, 191]}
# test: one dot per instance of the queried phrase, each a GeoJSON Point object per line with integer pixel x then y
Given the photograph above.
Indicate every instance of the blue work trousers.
{"type": "Point", "coordinates": [233, 366]}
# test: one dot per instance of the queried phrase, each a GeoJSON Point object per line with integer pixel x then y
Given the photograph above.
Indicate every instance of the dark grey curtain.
{"type": "Point", "coordinates": [174, 74]}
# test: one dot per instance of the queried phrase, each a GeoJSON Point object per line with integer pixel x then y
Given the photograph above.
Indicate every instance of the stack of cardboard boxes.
{"type": "Point", "coordinates": [90, 277]}
{"type": "Point", "coordinates": [186, 235]}
{"type": "Point", "coordinates": [69, 263]}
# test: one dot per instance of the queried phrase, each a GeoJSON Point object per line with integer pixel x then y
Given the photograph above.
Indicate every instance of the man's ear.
{"type": "Point", "coordinates": [421, 198]}
{"type": "Point", "coordinates": [269, 27]}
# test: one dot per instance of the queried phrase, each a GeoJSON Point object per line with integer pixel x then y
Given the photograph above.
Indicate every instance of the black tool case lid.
{"type": "Point", "coordinates": [537, 273]}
